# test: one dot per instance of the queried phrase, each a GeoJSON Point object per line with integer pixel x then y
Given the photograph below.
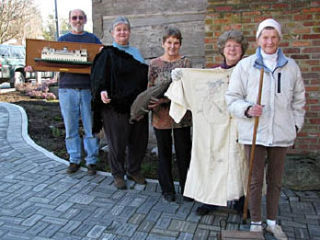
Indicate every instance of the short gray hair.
{"type": "Point", "coordinates": [118, 20]}
{"type": "Point", "coordinates": [172, 32]}
{"type": "Point", "coordinates": [232, 35]}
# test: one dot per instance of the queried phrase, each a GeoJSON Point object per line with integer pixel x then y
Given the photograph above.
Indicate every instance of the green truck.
{"type": "Point", "coordinates": [12, 63]}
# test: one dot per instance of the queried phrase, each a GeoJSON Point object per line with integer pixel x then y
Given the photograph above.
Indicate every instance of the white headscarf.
{"type": "Point", "coordinates": [269, 23]}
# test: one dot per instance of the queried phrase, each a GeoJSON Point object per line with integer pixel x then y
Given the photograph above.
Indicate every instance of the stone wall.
{"type": "Point", "coordinates": [301, 41]}
{"type": "Point", "coordinates": [149, 18]}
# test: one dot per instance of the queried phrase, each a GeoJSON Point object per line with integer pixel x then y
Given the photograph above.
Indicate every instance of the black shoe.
{"type": "Point", "coordinates": [205, 209]}
{"type": "Point", "coordinates": [73, 167]}
{"type": "Point", "coordinates": [92, 169]}
{"type": "Point", "coordinates": [170, 197]}
{"type": "Point", "coordinates": [187, 199]}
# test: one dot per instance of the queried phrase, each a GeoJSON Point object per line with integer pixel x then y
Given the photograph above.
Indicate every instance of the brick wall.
{"type": "Point", "coordinates": [301, 41]}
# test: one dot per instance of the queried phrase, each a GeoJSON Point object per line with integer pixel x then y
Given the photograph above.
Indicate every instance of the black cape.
{"type": "Point", "coordinates": [122, 76]}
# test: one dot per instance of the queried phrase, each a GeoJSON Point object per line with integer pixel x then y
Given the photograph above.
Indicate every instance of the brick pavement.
{"type": "Point", "coordinates": [38, 200]}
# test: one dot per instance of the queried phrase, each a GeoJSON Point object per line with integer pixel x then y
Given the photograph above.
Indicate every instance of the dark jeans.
{"type": "Point", "coordinates": [122, 135]}
{"type": "Point", "coordinates": [275, 158]}
{"type": "Point", "coordinates": [182, 145]}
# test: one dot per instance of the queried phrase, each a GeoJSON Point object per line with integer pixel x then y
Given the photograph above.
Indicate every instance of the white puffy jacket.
{"type": "Point", "coordinates": [283, 100]}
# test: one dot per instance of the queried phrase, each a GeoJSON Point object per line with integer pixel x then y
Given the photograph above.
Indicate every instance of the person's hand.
{"type": "Point", "coordinates": [155, 102]}
{"type": "Point", "coordinates": [255, 111]}
{"type": "Point", "coordinates": [104, 97]}
{"type": "Point", "coordinates": [28, 69]}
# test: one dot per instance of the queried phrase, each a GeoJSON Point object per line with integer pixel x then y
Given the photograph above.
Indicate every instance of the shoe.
{"type": "Point", "coordinates": [187, 199]}
{"type": "Point", "coordinates": [92, 169]}
{"type": "Point", "coordinates": [205, 209]}
{"type": "Point", "coordinates": [256, 228]}
{"type": "Point", "coordinates": [138, 178]}
{"type": "Point", "coordinates": [277, 232]}
{"type": "Point", "coordinates": [169, 197]}
{"type": "Point", "coordinates": [73, 167]}
{"type": "Point", "coordinates": [120, 183]}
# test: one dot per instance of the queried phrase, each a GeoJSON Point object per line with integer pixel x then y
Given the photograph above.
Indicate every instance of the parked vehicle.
{"type": "Point", "coordinates": [12, 63]}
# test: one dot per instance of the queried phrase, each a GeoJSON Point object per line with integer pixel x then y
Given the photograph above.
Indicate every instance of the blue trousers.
{"type": "Point", "coordinates": [75, 104]}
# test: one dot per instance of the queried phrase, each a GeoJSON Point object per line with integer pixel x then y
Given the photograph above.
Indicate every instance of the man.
{"type": "Point", "coordinates": [75, 101]}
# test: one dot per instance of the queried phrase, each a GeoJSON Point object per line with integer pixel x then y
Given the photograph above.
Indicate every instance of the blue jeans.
{"type": "Point", "coordinates": [76, 104]}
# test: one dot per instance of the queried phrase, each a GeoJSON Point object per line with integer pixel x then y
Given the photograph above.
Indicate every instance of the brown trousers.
{"type": "Point", "coordinates": [122, 136]}
{"type": "Point", "coordinates": [275, 166]}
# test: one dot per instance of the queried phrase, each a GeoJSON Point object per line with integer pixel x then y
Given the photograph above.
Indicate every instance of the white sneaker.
{"type": "Point", "coordinates": [256, 228]}
{"type": "Point", "coordinates": [277, 232]}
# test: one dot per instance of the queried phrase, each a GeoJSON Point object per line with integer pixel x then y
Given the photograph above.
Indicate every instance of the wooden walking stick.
{"type": "Point", "coordinates": [256, 124]}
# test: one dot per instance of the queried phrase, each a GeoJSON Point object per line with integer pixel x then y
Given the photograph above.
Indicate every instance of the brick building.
{"type": "Point", "coordinates": [203, 21]}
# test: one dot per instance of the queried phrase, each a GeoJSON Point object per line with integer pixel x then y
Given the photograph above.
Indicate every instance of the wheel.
{"type": "Point", "coordinates": [18, 78]}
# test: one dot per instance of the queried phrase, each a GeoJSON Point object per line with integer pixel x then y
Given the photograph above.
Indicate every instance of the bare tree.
{"type": "Point", "coordinates": [14, 17]}
{"type": "Point", "coordinates": [49, 31]}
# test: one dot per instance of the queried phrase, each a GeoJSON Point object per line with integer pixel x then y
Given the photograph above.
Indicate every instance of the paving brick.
{"type": "Point", "coordinates": [182, 226]}
{"type": "Point", "coordinates": [209, 227]}
{"type": "Point", "coordinates": [83, 214]}
{"type": "Point", "coordinates": [37, 228]}
{"type": "Point", "coordinates": [70, 213]}
{"type": "Point", "coordinates": [81, 198]}
{"type": "Point", "coordinates": [128, 211]}
{"type": "Point", "coordinates": [154, 236]}
{"type": "Point", "coordinates": [64, 206]}
{"type": "Point", "coordinates": [64, 236]}
{"type": "Point", "coordinates": [48, 212]}
{"type": "Point", "coordinates": [201, 234]}
{"type": "Point", "coordinates": [153, 215]}
{"type": "Point", "coordinates": [185, 236]}
{"type": "Point", "coordinates": [96, 231]}
{"type": "Point", "coordinates": [301, 233]}
{"type": "Point", "coordinates": [83, 230]}
{"type": "Point", "coordinates": [293, 224]}
{"type": "Point", "coordinates": [137, 218]}
{"type": "Point", "coordinates": [137, 201]}
{"type": "Point", "coordinates": [32, 220]}
{"type": "Point", "coordinates": [11, 220]}
{"type": "Point", "coordinates": [117, 210]}
{"type": "Point", "coordinates": [163, 232]}
{"type": "Point", "coordinates": [163, 222]}
{"type": "Point", "coordinates": [17, 236]}
{"type": "Point", "coordinates": [126, 229]}
{"type": "Point", "coordinates": [50, 230]}
{"type": "Point", "coordinates": [146, 226]}
{"type": "Point", "coordinates": [145, 208]}
{"type": "Point", "coordinates": [314, 231]}
{"type": "Point", "coordinates": [54, 220]}
{"type": "Point", "coordinates": [70, 226]}
{"type": "Point", "coordinates": [139, 236]}
{"type": "Point", "coordinates": [13, 228]}
{"type": "Point", "coordinates": [207, 219]}
{"type": "Point", "coordinates": [108, 236]}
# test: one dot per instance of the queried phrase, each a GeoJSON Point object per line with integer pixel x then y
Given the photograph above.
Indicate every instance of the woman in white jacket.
{"type": "Point", "coordinates": [281, 116]}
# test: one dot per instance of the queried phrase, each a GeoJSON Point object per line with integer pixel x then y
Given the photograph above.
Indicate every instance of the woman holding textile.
{"type": "Point", "coordinates": [232, 46]}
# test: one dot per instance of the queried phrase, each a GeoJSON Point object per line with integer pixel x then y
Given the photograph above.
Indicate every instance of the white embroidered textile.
{"type": "Point", "coordinates": [218, 169]}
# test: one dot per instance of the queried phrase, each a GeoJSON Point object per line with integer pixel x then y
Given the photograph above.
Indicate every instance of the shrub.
{"type": "Point", "coordinates": [39, 91]}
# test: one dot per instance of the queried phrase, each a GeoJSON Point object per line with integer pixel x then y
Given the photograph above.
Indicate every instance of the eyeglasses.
{"type": "Point", "coordinates": [232, 46]}
{"type": "Point", "coordinates": [77, 17]}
